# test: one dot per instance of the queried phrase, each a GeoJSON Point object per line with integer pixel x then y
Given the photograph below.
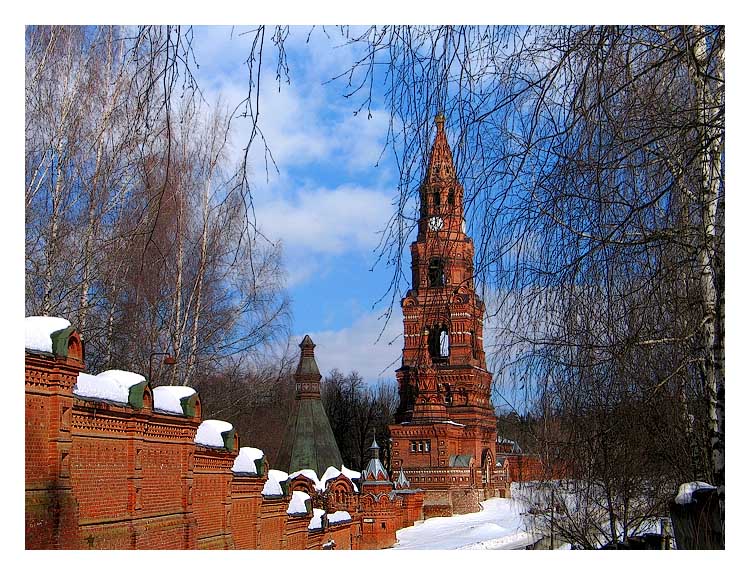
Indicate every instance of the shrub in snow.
{"type": "Point", "coordinates": [39, 330]}
{"type": "Point", "coordinates": [114, 386]}
{"type": "Point", "coordinates": [249, 461]}
{"type": "Point", "coordinates": [175, 399]}
{"type": "Point", "coordinates": [299, 504]}
{"type": "Point", "coordinates": [686, 490]}
{"type": "Point", "coordinates": [216, 434]}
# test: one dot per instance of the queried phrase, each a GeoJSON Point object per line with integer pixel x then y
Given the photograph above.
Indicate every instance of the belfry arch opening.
{"type": "Point", "coordinates": [436, 272]}
{"type": "Point", "coordinates": [439, 343]}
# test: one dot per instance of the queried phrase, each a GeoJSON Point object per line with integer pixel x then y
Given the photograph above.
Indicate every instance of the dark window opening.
{"type": "Point", "coordinates": [473, 345]}
{"type": "Point", "coordinates": [436, 198]}
{"type": "Point", "coordinates": [437, 272]}
{"type": "Point", "coordinates": [421, 446]}
{"type": "Point", "coordinates": [439, 343]}
{"type": "Point", "coordinates": [451, 198]}
{"type": "Point", "coordinates": [448, 395]}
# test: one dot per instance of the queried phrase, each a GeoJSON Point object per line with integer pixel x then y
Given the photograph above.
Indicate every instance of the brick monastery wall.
{"type": "Point", "coordinates": [107, 476]}
{"type": "Point", "coordinates": [529, 467]}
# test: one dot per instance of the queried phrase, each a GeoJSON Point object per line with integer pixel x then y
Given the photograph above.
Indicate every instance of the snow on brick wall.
{"type": "Point", "coordinates": [210, 432]}
{"type": "Point", "coordinates": [245, 460]}
{"type": "Point", "coordinates": [167, 397]}
{"type": "Point", "coordinates": [317, 520]}
{"type": "Point", "coordinates": [39, 330]}
{"type": "Point", "coordinates": [272, 487]}
{"type": "Point", "coordinates": [339, 517]}
{"type": "Point", "coordinates": [297, 503]}
{"type": "Point", "coordinates": [310, 474]}
{"type": "Point", "coordinates": [112, 385]}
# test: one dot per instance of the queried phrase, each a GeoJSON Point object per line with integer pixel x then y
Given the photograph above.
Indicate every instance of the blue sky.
{"type": "Point", "coordinates": [328, 202]}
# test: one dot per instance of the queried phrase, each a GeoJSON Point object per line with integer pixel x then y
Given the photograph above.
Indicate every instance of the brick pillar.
{"type": "Point", "coordinates": [51, 509]}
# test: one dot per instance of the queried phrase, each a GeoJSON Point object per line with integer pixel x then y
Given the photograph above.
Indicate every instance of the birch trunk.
{"type": "Point", "coordinates": [710, 101]}
{"type": "Point", "coordinates": [51, 247]}
{"type": "Point", "coordinates": [199, 283]}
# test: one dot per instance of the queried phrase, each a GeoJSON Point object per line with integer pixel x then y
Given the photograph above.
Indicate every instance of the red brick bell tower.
{"type": "Point", "coordinates": [445, 433]}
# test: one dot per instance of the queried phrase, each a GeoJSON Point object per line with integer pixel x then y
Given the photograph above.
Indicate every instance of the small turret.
{"type": "Point", "coordinates": [401, 481]}
{"type": "Point", "coordinates": [374, 476]}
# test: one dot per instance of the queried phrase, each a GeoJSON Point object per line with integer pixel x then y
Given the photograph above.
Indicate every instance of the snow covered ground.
{"type": "Point", "coordinates": [498, 526]}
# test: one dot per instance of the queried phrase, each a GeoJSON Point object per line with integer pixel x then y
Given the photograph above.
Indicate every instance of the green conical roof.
{"type": "Point", "coordinates": [308, 440]}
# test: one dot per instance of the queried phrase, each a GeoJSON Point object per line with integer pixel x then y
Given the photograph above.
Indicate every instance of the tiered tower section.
{"type": "Point", "coordinates": [445, 419]}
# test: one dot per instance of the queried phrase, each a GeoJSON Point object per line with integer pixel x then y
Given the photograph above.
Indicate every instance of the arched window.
{"type": "Point", "coordinates": [487, 468]}
{"type": "Point", "coordinates": [439, 343]}
{"type": "Point", "coordinates": [436, 272]}
{"type": "Point", "coordinates": [436, 198]}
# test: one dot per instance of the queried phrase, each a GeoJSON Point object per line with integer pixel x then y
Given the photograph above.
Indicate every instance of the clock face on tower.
{"type": "Point", "coordinates": [436, 224]}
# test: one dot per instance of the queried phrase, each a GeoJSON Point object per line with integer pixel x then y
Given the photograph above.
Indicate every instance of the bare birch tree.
{"type": "Point", "coordinates": [137, 226]}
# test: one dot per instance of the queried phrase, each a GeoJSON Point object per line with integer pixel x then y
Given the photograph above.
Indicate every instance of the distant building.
{"type": "Point", "coordinates": [504, 445]}
{"type": "Point", "coordinates": [445, 435]}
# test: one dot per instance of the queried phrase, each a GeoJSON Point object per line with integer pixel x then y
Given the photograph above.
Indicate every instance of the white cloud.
{"type": "Point", "coordinates": [354, 347]}
{"type": "Point", "coordinates": [305, 122]}
{"type": "Point", "coordinates": [334, 221]}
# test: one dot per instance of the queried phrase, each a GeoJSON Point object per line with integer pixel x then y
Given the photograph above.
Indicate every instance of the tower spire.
{"type": "Point", "coordinates": [440, 166]}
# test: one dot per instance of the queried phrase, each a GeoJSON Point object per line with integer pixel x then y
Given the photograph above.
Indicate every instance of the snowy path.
{"type": "Point", "coordinates": [498, 526]}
